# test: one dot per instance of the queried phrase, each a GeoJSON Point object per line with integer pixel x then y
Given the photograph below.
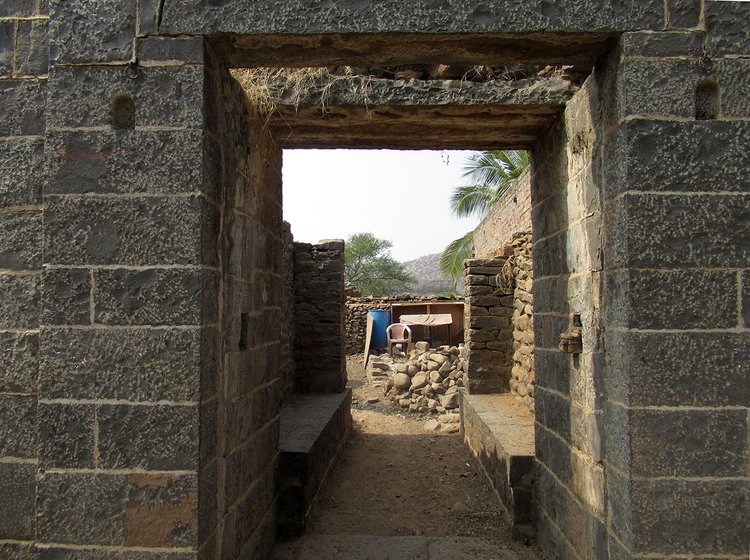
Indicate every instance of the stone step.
{"type": "Point", "coordinates": [500, 433]}
{"type": "Point", "coordinates": [313, 430]}
{"type": "Point", "coordinates": [372, 547]}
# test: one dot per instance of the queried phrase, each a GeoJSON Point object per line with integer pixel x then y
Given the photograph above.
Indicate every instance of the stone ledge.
{"type": "Point", "coordinates": [314, 428]}
{"type": "Point", "coordinates": [501, 436]}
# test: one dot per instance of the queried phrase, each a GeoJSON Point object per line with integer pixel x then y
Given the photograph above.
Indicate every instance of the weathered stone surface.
{"type": "Point", "coordinates": [150, 437]}
{"type": "Point", "coordinates": [18, 8]}
{"type": "Point", "coordinates": [20, 297]}
{"type": "Point", "coordinates": [7, 35]}
{"type": "Point", "coordinates": [66, 436]}
{"type": "Point", "coordinates": [162, 96]}
{"type": "Point", "coordinates": [155, 297]}
{"type": "Point", "coordinates": [17, 490]}
{"type": "Point", "coordinates": [661, 368]}
{"type": "Point", "coordinates": [678, 156]}
{"type": "Point", "coordinates": [113, 162]}
{"type": "Point", "coordinates": [421, 17]}
{"type": "Point", "coordinates": [21, 240]}
{"type": "Point", "coordinates": [134, 231]}
{"type": "Point", "coordinates": [89, 31]}
{"type": "Point", "coordinates": [21, 171]}
{"type": "Point", "coordinates": [683, 13]}
{"type": "Point", "coordinates": [745, 298]}
{"type": "Point", "coordinates": [690, 517]}
{"type": "Point", "coordinates": [132, 364]}
{"type": "Point", "coordinates": [170, 49]}
{"type": "Point", "coordinates": [17, 426]}
{"type": "Point", "coordinates": [22, 105]}
{"type": "Point", "coordinates": [66, 296]}
{"type": "Point", "coordinates": [672, 299]}
{"type": "Point", "coordinates": [727, 32]}
{"type": "Point", "coordinates": [680, 43]}
{"type": "Point", "coordinates": [18, 369]}
{"type": "Point", "coordinates": [146, 510]}
{"type": "Point", "coordinates": [687, 230]}
{"type": "Point", "coordinates": [31, 56]}
{"type": "Point", "coordinates": [690, 443]}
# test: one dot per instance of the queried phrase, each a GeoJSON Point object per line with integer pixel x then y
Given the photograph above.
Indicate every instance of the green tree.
{"type": "Point", "coordinates": [488, 175]}
{"type": "Point", "coordinates": [369, 267]}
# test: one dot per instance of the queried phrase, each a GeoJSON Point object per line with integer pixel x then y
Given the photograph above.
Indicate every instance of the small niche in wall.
{"type": "Point", "coordinates": [707, 101]}
{"type": "Point", "coordinates": [123, 113]}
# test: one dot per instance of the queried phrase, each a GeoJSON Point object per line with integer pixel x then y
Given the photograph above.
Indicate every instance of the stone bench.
{"type": "Point", "coordinates": [501, 435]}
{"type": "Point", "coordinates": [313, 429]}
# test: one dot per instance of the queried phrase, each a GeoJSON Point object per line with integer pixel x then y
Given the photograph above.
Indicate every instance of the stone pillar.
{"type": "Point", "coordinates": [319, 317]}
{"type": "Point", "coordinates": [488, 327]}
{"type": "Point", "coordinates": [678, 288]}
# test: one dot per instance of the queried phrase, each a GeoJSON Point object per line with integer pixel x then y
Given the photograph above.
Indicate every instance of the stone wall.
{"type": "Point", "coordinates": [287, 311]}
{"type": "Point", "coordinates": [488, 326]}
{"type": "Point", "coordinates": [523, 378]}
{"type": "Point", "coordinates": [319, 342]}
{"type": "Point", "coordinates": [509, 215]}
{"type": "Point", "coordinates": [23, 92]}
{"type": "Point", "coordinates": [240, 401]}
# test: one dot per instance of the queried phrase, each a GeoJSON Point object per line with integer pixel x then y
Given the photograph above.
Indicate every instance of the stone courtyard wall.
{"type": "Point", "coordinates": [320, 336]}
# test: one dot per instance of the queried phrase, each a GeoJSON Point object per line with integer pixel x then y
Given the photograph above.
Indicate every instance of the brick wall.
{"type": "Point", "coordinates": [510, 214]}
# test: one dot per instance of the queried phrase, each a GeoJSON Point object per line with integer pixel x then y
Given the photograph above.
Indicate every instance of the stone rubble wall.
{"type": "Point", "coordinates": [287, 312]}
{"type": "Point", "coordinates": [510, 214]}
{"type": "Point", "coordinates": [320, 338]}
{"type": "Point", "coordinates": [488, 326]}
{"type": "Point", "coordinates": [523, 378]}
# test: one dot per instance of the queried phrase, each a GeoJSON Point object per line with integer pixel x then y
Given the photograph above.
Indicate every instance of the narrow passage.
{"type": "Point", "coordinates": [401, 490]}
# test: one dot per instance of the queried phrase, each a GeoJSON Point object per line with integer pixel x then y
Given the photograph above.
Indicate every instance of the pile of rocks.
{"type": "Point", "coordinates": [522, 380]}
{"type": "Point", "coordinates": [426, 380]}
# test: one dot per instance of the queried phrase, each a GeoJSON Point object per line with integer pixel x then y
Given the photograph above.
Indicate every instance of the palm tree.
{"type": "Point", "coordinates": [488, 175]}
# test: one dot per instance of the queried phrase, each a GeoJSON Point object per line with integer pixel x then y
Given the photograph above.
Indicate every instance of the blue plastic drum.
{"type": "Point", "coordinates": [381, 318]}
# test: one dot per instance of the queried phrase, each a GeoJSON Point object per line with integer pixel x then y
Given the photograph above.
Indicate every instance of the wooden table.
{"type": "Point", "coordinates": [430, 320]}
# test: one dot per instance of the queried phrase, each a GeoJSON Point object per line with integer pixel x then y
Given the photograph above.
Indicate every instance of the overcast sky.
{"type": "Point", "coordinates": [402, 196]}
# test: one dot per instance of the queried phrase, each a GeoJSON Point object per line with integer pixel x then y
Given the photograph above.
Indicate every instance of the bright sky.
{"type": "Point", "coordinates": [402, 196]}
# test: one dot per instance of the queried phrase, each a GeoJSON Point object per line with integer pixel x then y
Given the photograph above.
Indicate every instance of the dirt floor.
{"type": "Point", "coordinates": [398, 477]}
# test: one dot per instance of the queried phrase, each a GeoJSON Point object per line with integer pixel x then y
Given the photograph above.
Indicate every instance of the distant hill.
{"type": "Point", "coordinates": [430, 279]}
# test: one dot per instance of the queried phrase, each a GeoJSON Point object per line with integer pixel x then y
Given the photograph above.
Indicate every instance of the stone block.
{"type": "Point", "coordinates": [552, 369]}
{"type": "Point", "coordinates": [677, 156]}
{"type": "Point", "coordinates": [88, 31]}
{"type": "Point", "coordinates": [616, 436]}
{"type": "Point", "coordinates": [21, 171]}
{"type": "Point", "coordinates": [66, 296]}
{"type": "Point", "coordinates": [18, 426]}
{"type": "Point", "coordinates": [683, 14]}
{"type": "Point", "coordinates": [132, 231]}
{"type": "Point", "coordinates": [20, 296]}
{"type": "Point", "coordinates": [687, 230]}
{"type": "Point", "coordinates": [18, 8]}
{"type": "Point", "coordinates": [675, 369]}
{"type": "Point", "coordinates": [124, 364]}
{"type": "Point", "coordinates": [17, 492]}
{"type": "Point", "coordinates": [728, 33]}
{"type": "Point", "coordinates": [32, 48]}
{"type": "Point", "coordinates": [553, 452]}
{"type": "Point", "coordinates": [355, 17]}
{"type": "Point", "coordinates": [553, 412]}
{"type": "Point", "coordinates": [548, 328]}
{"type": "Point", "coordinates": [690, 443]}
{"type": "Point", "coordinates": [22, 107]}
{"type": "Point", "coordinates": [745, 298]}
{"type": "Point", "coordinates": [679, 43]}
{"type": "Point", "coordinates": [21, 240]}
{"type": "Point", "coordinates": [690, 517]}
{"type": "Point", "coordinates": [7, 37]}
{"type": "Point", "coordinates": [113, 162]}
{"type": "Point", "coordinates": [155, 297]}
{"type": "Point", "coordinates": [16, 550]}
{"type": "Point", "coordinates": [82, 96]}
{"type": "Point", "coordinates": [66, 436]}
{"type": "Point", "coordinates": [676, 299]}
{"type": "Point", "coordinates": [137, 510]}
{"type": "Point", "coordinates": [163, 50]}
{"type": "Point", "coordinates": [158, 437]}
{"type": "Point", "coordinates": [60, 552]}
{"type": "Point", "coordinates": [19, 368]}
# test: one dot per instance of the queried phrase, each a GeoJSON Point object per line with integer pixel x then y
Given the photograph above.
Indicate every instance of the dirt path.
{"type": "Point", "coordinates": [395, 479]}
